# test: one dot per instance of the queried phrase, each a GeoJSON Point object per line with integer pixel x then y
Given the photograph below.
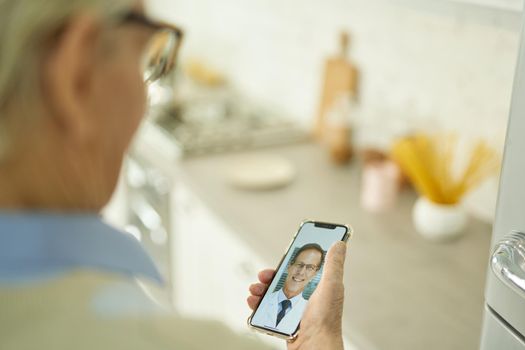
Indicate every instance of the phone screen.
{"type": "Point", "coordinates": [282, 307]}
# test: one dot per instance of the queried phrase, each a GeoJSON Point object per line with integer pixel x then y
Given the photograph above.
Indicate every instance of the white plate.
{"type": "Point", "coordinates": [261, 172]}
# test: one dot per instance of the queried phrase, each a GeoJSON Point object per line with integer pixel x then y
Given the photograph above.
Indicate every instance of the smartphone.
{"type": "Point", "coordinates": [281, 308]}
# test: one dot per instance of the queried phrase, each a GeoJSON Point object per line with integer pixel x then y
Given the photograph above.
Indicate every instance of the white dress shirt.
{"type": "Point", "coordinates": [270, 306]}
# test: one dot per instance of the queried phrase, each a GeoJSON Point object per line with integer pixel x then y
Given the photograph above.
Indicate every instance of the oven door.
{"type": "Point", "coordinates": [504, 326]}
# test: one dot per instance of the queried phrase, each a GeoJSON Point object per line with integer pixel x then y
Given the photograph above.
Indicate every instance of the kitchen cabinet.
{"type": "Point", "coordinates": [212, 267]}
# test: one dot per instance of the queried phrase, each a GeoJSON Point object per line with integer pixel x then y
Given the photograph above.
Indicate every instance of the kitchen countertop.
{"type": "Point", "coordinates": [402, 292]}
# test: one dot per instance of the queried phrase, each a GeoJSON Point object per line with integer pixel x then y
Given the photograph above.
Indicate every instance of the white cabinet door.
{"type": "Point", "coordinates": [496, 335]}
{"type": "Point", "coordinates": [193, 276]}
{"type": "Point", "coordinates": [212, 266]}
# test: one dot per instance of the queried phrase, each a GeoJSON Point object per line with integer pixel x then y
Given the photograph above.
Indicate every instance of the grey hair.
{"type": "Point", "coordinates": [25, 25]}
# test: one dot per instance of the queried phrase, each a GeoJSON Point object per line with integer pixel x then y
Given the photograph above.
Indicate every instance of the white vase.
{"type": "Point", "coordinates": [438, 222]}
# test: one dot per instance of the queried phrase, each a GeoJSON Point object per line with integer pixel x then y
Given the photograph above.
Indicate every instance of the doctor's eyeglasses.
{"type": "Point", "coordinates": [309, 267]}
{"type": "Point", "coordinates": [161, 53]}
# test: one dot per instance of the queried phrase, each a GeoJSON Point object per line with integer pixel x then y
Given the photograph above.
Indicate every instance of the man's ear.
{"type": "Point", "coordinates": [68, 73]}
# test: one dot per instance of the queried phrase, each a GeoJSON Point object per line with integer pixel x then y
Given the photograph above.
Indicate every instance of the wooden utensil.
{"type": "Point", "coordinates": [340, 77]}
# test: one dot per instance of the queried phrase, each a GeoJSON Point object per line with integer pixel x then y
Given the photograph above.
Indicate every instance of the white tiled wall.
{"type": "Point", "coordinates": [419, 59]}
{"type": "Point", "coordinates": [423, 62]}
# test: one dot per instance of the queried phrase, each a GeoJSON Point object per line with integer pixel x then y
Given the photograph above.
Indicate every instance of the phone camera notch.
{"type": "Point", "coordinates": [325, 225]}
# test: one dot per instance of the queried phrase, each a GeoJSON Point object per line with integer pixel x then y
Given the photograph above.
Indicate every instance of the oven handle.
{"type": "Point", "coordinates": [508, 261]}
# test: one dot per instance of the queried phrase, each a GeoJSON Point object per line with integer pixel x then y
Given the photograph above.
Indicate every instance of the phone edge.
{"type": "Point", "coordinates": [348, 234]}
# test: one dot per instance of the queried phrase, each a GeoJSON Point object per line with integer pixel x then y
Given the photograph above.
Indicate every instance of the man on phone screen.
{"type": "Point", "coordinates": [283, 309]}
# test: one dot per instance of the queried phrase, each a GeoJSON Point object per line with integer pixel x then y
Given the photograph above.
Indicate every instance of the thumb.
{"type": "Point", "coordinates": [334, 264]}
{"type": "Point", "coordinates": [326, 304]}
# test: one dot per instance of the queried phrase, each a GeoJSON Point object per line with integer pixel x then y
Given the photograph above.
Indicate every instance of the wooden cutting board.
{"type": "Point", "coordinates": [340, 77]}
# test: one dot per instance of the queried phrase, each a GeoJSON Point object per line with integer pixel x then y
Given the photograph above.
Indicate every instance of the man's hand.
{"type": "Point", "coordinates": [321, 325]}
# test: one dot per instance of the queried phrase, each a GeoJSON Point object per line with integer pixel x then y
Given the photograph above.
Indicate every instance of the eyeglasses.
{"type": "Point", "coordinates": [309, 267]}
{"type": "Point", "coordinates": [162, 50]}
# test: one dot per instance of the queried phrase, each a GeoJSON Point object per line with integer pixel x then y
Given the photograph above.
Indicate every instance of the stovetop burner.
{"type": "Point", "coordinates": [203, 133]}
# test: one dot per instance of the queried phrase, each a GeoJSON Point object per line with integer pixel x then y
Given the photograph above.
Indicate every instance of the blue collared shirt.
{"type": "Point", "coordinates": [88, 310]}
{"type": "Point", "coordinates": [35, 246]}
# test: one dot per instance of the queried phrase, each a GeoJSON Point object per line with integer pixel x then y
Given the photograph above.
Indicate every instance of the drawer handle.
{"type": "Point", "coordinates": [508, 261]}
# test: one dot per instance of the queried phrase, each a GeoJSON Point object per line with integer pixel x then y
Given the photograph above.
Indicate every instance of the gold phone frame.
{"type": "Point", "coordinates": [290, 338]}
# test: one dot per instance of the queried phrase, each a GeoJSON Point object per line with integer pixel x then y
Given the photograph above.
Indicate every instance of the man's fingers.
{"type": "Point", "coordinates": [258, 289]}
{"type": "Point", "coordinates": [253, 301]}
{"type": "Point", "coordinates": [335, 261]}
{"type": "Point", "coordinates": [265, 276]}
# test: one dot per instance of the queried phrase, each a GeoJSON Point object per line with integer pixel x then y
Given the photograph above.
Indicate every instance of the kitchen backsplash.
{"type": "Point", "coordinates": [428, 63]}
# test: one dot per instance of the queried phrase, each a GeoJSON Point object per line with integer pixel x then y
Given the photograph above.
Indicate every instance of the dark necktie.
{"type": "Point", "coordinates": [285, 304]}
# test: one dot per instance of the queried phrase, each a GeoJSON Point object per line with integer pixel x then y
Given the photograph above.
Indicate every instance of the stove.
{"type": "Point", "coordinates": [211, 121]}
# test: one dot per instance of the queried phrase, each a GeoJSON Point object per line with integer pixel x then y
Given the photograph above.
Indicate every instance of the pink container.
{"type": "Point", "coordinates": [380, 185]}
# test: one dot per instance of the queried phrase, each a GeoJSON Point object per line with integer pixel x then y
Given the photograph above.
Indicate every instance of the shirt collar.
{"type": "Point", "coordinates": [294, 300]}
{"type": "Point", "coordinates": [45, 243]}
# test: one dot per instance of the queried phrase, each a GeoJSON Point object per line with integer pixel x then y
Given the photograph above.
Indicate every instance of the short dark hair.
{"type": "Point", "coordinates": [309, 246]}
